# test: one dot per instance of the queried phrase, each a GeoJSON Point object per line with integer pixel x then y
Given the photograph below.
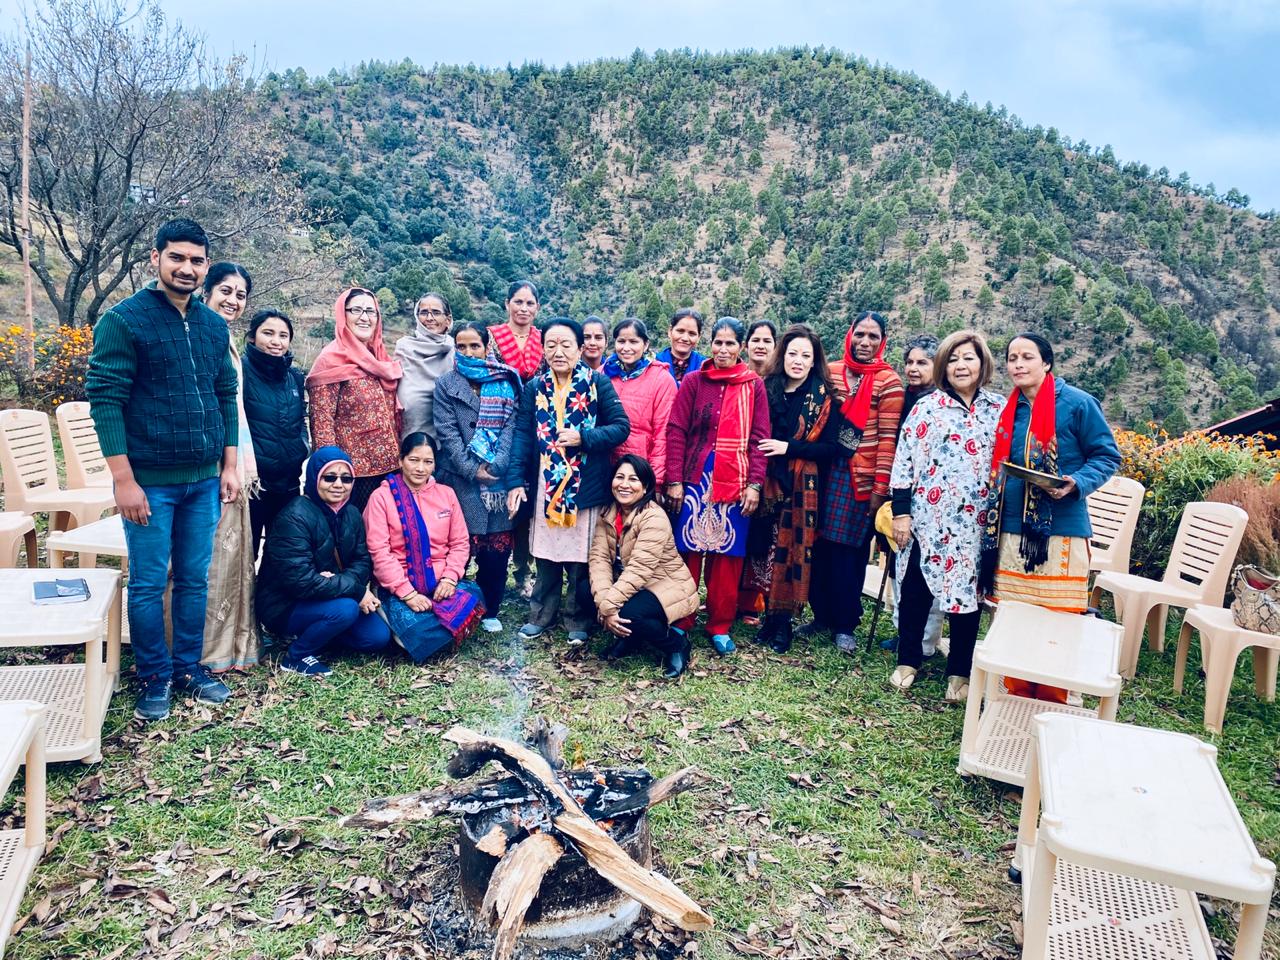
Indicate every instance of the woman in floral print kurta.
{"type": "Point", "coordinates": [941, 493]}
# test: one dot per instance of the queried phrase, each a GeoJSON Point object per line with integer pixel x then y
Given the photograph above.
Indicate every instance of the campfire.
{"type": "Point", "coordinates": [559, 855]}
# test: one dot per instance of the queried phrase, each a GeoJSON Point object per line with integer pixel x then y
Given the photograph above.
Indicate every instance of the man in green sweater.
{"type": "Point", "coordinates": [162, 393]}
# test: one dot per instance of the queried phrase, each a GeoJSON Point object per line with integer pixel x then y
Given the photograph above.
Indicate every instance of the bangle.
{"type": "Point", "coordinates": [410, 595]}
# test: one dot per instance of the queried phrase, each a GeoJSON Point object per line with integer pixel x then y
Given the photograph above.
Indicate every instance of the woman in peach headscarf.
{"type": "Point", "coordinates": [352, 387]}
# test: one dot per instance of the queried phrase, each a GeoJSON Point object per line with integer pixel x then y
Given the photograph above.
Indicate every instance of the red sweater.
{"type": "Point", "coordinates": [648, 399]}
{"type": "Point", "coordinates": [695, 420]}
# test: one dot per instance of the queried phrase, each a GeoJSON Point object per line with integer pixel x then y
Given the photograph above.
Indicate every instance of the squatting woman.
{"type": "Point", "coordinates": [640, 585]}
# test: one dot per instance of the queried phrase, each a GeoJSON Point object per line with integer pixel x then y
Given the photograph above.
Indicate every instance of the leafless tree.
{"type": "Point", "coordinates": [133, 123]}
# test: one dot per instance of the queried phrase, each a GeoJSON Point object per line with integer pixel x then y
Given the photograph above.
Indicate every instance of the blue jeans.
{"type": "Point", "coordinates": [321, 623]}
{"type": "Point", "coordinates": [183, 519]}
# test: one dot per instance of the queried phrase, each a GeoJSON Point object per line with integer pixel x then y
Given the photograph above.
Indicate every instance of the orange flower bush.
{"type": "Point", "coordinates": [1179, 470]}
{"type": "Point", "coordinates": [62, 362]}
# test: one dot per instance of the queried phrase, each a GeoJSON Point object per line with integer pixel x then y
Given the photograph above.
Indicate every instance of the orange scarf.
{"type": "Point", "coordinates": [733, 433]}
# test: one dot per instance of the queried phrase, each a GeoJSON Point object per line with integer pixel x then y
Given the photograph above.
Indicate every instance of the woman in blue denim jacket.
{"type": "Point", "coordinates": [1036, 547]}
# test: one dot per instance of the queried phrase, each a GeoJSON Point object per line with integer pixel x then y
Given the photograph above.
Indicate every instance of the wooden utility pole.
{"type": "Point", "coordinates": [27, 363]}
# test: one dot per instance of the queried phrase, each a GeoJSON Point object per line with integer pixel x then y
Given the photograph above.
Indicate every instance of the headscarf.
{"type": "Point", "coordinates": [574, 408]}
{"type": "Point", "coordinates": [317, 463]}
{"type": "Point", "coordinates": [1037, 511]}
{"type": "Point", "coordinates": [614, 369]}
{"type": "Point", "coordinates": [857, 407]}
{"type": "Point", "coordinates": [732, 463]}
{"type": "Point", "coordinates": [499, 385]}
{"type": "Point", "coordinates": [424, 358]}
{"type": "Point", "coordinates": [346, 358]}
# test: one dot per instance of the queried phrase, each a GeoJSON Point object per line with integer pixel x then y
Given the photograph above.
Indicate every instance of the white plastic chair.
{"type": "Point", "coordinates": [1221, 643]}
{"type": "Point", "coordinates": [86, 466]}
{"type": "Point", "coordinates": [1113, 513]}
{"type": "Point", "coordinates": [31, 474]}
{"type": "Point", "coordinates": [1204, 549]}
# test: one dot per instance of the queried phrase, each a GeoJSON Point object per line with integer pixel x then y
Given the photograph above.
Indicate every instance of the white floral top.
{"type": "Point", "coordinates": [944, 456]}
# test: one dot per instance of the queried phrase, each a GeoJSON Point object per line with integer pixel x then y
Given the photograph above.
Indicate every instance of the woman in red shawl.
{"type": "Point", "coordinates": [716, 471]}
{"type": "Point", "coordinates": [870, 405]}
{"type": "Point", "coordinates": [518, 344]}
{"type": "Point", "coordinates": [352, 388]}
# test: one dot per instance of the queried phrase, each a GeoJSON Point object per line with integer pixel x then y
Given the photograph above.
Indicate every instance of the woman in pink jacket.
{"type": "Point", "coordinates": [418, 542]}
{"type": "Point", "coordinates": [647, 391]}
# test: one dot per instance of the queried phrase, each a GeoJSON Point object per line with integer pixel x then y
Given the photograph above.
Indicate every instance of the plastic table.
{"type": "Point", "coordinates": [1132, 823]}
{"type": "Point", "coordinates": [1033, 643]}
{"type": "Point", "coordinates": [77, 694]}
{"type": "Point", "coordinates": [22, 741]}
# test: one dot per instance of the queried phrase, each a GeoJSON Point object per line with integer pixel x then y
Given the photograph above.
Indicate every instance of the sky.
{"type": "Point", "coordinates": [1185, 84]}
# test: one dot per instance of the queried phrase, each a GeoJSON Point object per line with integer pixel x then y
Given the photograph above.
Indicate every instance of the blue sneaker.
{"type": "Point", "coordinates": [201, 685]}
{"type": "Point", "coordinates": [724, 644]}
{"type": "Point", "coordinates": [153, 699]}
{"type": "Point", "coordinates": [305, 666]}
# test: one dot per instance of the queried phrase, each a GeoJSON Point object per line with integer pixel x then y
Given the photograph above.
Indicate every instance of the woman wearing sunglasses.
{"type": "Point", "coordinates": [353, 386]}
{"type": "Point", "coordinates": [313, 585]}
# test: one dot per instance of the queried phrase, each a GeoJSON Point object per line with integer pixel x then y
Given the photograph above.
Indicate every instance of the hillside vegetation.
{"type": "Point", "coordinates": [801, 185]}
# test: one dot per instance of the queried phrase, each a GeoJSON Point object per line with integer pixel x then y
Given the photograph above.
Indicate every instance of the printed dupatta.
{"type": "Point", "coordinates": [573, 408]}
{"type": "Point", "coordinates": [798, 517]}
{"type": "Point", "coordinates": [460, 613]}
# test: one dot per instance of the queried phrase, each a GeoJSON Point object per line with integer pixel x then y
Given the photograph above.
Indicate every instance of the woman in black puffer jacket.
{"type": "Point", "coordinates": [313, 584]}
{"type": "Point", "coordinates": [276, 411]}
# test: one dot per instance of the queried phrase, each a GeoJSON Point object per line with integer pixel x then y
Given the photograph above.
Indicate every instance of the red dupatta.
{"type": "Point", "coordinates": [730, 470]}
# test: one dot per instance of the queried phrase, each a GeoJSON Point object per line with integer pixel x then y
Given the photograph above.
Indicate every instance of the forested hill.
{"type": "Point", "coordinates": [800, 185]}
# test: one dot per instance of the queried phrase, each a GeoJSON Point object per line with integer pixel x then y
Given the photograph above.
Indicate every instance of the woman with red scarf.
{"type": "Point", "coordinates": [352, 387]}
{"type": "Point", "coordinates": [870, 405]}
{"type": "Point", "coordinates": [518, 344]}
{"type": "Point", "coordinates": [716, 471]}
{"type": "Point", "coordinates": [1036, 544]}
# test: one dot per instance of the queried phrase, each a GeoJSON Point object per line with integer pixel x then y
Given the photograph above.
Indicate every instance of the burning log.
{"type": "Point", "coordinates": [545, 842]}
{"type": "Point", "coordinates": [514, 884]}
{"type": "Point", "coordinates": [603, 853]}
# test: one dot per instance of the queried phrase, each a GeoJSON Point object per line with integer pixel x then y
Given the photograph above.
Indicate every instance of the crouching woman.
{"type": "Point", "coordinates": [313, 584]}
{"type": "Point", "coordinates": [418, 540]}
{"type": "Point", "coordinates": [641, 586]}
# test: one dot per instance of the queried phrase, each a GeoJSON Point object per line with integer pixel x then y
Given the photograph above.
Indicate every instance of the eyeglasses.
{"type": "Point", "coordinates": [337, 478]}
{"type": "Point", "coordinates": [433, 314]}
{"type": "Point", "coordinates": [362, 311]}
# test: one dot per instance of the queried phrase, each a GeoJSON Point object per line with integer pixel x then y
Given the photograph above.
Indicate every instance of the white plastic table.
{"type": "Point", "coordinates": [1132, 823]}
{"type": "Point", "coordinates": [1043, 646]}
{"type": "Point", "coordinates": [77, 694]}
{"type": "Point", "coordinates": [21, 741]}
{"type": "Point", "coordinates": [102, 537]}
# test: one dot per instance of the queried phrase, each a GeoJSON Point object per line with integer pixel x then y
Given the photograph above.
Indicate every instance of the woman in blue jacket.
{"type": "Point", "coordinates": [1036, 542]}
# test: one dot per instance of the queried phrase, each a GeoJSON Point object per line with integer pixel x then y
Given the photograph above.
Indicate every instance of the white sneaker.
{"type": "Point", "coordinates": [491, 625]}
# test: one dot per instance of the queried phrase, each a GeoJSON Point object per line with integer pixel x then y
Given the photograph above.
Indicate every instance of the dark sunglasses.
{"type": "Point", "coordinates": [337, 478]}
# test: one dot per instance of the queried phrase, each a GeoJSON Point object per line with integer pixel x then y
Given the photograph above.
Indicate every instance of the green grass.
{"type": "Point", "coordinates": [832, 813]}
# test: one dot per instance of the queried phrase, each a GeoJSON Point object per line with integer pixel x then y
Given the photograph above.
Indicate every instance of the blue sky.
{"type": "Point", "coordinates": [1187, 84]}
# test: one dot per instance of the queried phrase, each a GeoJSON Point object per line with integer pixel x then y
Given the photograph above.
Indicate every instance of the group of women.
{"type": "Point", "coordinates": [625, 477]}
